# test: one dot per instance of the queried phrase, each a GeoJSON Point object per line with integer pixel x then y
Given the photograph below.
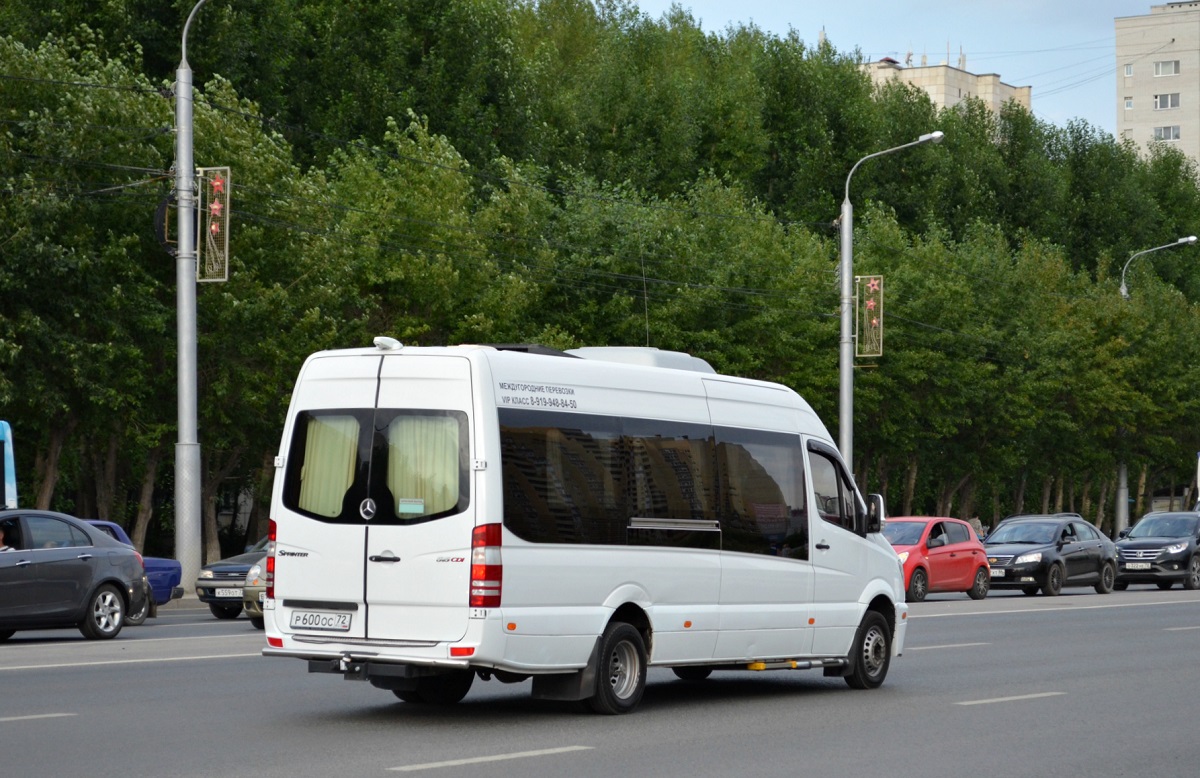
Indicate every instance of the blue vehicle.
{"type": "Point", "coordinates": [8, 498]}
{"type": "Point", "coordinates": [164, 575]}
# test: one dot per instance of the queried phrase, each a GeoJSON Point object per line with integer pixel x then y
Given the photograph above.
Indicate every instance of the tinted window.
{"type": "Point", "coordinates": [49, 532]}
{"type": "Point", "coordinates": [573, 478]}
{"type": "Point", "coordinates": [1085, 531]}
{"type": "Point", "coordinates": [835, 498]}
{"type": "Point", "coordinates": [958, 533]}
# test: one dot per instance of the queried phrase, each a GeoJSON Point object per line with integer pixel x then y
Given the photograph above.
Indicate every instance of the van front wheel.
{"type": "Point", "coordinates": [872, 653]}
{"type": "Point", "coordinates": [621, 673]}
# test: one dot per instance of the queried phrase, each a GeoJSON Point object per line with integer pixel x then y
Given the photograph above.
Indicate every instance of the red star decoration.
{"type": "Point", "coordinates": [215, 208]}
{"type": "Point", "coordinates": [870, 305]}
{"type": "Point", "coordinates": [875, 322]}
{"type": "Point", "coordinates": [873, 285]}
{"type": "Point", "coordinates": [218, 184]}
{"type": "Point", "coordinates": [214, 228]}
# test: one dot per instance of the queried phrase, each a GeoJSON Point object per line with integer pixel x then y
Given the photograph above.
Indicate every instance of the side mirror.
{"type": "Point", "coordinates": [875, 513]}
{"type": "Point", "coordinates": [937, 542]}
{"type": "Point", "coordinates": [1123, 533]}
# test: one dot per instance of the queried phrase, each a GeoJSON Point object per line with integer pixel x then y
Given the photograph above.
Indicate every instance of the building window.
{"type": "Point", "coordinates": [1163, 102]}
{"type": "Point", "coordinates": [1168, 67]}
{"type": "Point", "coordinates": [1128, 103]}
{"type": "Point", "coordinates": [1167, 133]}
{"type": "Point", "coordinates": [1128, 71]}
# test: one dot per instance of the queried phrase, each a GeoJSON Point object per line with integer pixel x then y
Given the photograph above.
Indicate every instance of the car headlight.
{"type": "Point", "coordinates": [253, 577]}
{"type": "Point", "coordinates": [903, 556]}
{"type": "Point", "coordinates": [1024, 559]}
{"type": "Point", "coordinates": [1177, 548]}
{"type": "Point", "coordinates": [206, 574]}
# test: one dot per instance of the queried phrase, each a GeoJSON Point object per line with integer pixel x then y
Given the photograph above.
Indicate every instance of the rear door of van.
{"type": "Point", "coordinates": [375, 524]}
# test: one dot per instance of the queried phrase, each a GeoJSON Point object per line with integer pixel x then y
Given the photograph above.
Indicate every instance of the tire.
{"type": "Point", "coordinates": [983, 584]}
{"type": "Point", "coordinates": [918, 586]}
{"type": "Point", "coordinates": [225, 612]}
{"type": "Point", "coordinates": [621, 671]}
{"type": "Point", "coordinates": [1120, 586]}
{"type": "Point", "coordinates": [409, 695]}
{"type": "Point", "coordinates": [139, 618]}
{"type": "Point", "coordinates": [5, 634]}
{"type": "Point", "coordinates": [105, 614]}
{"type": "Point", "coordinates": [257, 622]}
{"type": "Point", "coordinates": [1192, 581]}
{"type": "Point", "coordinates": [691, 673]}
{"type": "Point", "coordinates": [1054, 581]}
{"type": "Point", "coordinates": [445, 689]}
{"type": "Point", "coordinates": [872, 653]}
{"type": "Point", "coordinates": [1108, 578]}
{"type": "Point", "coordinates": [1164, 585]}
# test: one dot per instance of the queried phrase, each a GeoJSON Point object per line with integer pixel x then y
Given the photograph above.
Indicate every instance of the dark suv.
{"type": "Point", "coordinates": [1048, 552]}
{"type": "Point", "coordinates": [1160, 549]}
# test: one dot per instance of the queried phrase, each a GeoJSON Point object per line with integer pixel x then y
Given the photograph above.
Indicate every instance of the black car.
{"type": "Point", "coordinates": [1160, 549]}
{"type": "Point", "coordinates": [63, 572]}
{"type": "Point", "coordinates": [1048, 552]}
{"type": "Point", "coordinates": [221, 584]}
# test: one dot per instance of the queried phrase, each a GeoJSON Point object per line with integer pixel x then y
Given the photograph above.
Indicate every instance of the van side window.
{"type": "Point", "coordinates": [835, 500]}
{"type": "Point", "coordinates": [764, 504]}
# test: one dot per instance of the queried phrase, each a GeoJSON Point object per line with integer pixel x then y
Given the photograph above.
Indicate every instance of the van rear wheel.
{"type": "Point", "coordinates": [872, 653]}
{"type": "Point", "coordinates": [445, 689]}
{"type": "Point", "coordinates": [621, 674]}
{"type": "Point", "coordinates": [691, 673]}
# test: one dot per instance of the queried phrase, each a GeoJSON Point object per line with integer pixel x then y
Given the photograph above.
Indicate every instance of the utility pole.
{"type": "Point", "coordinates": [187, 448]}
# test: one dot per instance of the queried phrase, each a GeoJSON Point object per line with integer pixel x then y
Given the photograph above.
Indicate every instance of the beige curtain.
{"type": "Point", "coordinates": [329, 459]}
{"type": "Point", "coordinates": [423, 464]}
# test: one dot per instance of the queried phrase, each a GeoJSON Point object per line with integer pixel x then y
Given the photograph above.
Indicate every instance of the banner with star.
{"type": "Point", "coordinates": [212, 242]}
{"type": "Point", "coordinates": [869, 293]}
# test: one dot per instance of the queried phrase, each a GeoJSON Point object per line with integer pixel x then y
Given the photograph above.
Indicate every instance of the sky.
{"type": "Point", "coordinates": [1064, 49]}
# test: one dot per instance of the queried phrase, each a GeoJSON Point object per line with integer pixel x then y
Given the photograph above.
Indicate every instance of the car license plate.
{"type": "Point", "coordinates": [228, 593]}
{"type": "Point", "coordinates": [1137, 565]}
{"type": "Point", "coordinates": [997, 572]}
{"type": "Point", "coordinates": [332, 622]}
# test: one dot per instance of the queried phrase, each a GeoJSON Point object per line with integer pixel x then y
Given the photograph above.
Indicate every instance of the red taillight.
{"type": "Point", "coordinates": [270, 572]}
{"type": "Point", "coordinates": [487, 571]}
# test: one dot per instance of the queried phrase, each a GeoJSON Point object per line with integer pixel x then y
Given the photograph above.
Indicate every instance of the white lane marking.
{"type": "Point", "coordinates": [127, 662]}
{"type": "Point", "coordinates": [485, 759]}
{"type": "Point", "coordinates": [137, 641]}
{"type": "Point", "coordinates": [1035, 609]}
{"type": "Point", "coordinates": [37, 716]}
{"type": "Point", "coordinates": [947, 645]}
{"type": "Point", "coordinates": [1178, 629]}
{"type": "Point", "coordinates": [1012, 699]}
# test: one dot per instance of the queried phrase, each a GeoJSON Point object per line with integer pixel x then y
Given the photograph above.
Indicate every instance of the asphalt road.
{"type": "Point", "coordinates": [1078, 685]}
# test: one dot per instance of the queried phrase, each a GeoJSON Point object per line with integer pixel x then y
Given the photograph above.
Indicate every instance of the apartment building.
{"type": "Point", "coordinates": [1158, 77]}
{"type": "Point", "coordinates": [947, 85]}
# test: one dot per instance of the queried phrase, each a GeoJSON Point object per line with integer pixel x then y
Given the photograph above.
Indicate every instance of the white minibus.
{"type": "Point", "coordinates": [513, 512]}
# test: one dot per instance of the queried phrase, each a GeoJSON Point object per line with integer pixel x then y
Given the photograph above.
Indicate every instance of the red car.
{"type": "Point", "coordinates": [939, 555]}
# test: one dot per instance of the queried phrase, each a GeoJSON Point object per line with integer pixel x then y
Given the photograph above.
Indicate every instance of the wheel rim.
{"type": "Point", "coordinates": [1055, 578]}
{"type": "Point", "coordinates": [1110, 576]}
{"type": "Point", "coordinates": [919, 585]}
{"type": "Point", "coordinates": [982, 582]}
{"type": "Point", "coordinates": [1194, 572]}
{"type": "Point", "coordinates": [107, 612]}
{"type": "Point", "coordinates": [623, 670]}
{"type": "Point", "coordinates": [874, 652]}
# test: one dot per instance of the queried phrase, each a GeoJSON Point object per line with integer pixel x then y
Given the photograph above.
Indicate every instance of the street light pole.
{"type": "Point", "coordinates": [1189, 240]}
{"type": "Point", "coordinates": [846, 343]}
{"type": "Point", "coordinates": [187, 448]}
{"type": "Point", "coordinates": [1121, 520]}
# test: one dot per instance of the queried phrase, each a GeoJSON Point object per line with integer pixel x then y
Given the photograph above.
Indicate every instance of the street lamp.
{"type": "Point", "coordinates": [187, 447]}
{"type": "Point", "coordinates": [1122, 517]}
{"type": "Point", "coordinates": [1189, 240]}
{"type": "Point", "coordinates": [846, 345]}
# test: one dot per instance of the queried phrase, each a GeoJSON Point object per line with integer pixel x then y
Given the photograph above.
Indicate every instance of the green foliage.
{"type": "Point", "coordinates": [577, 173]}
